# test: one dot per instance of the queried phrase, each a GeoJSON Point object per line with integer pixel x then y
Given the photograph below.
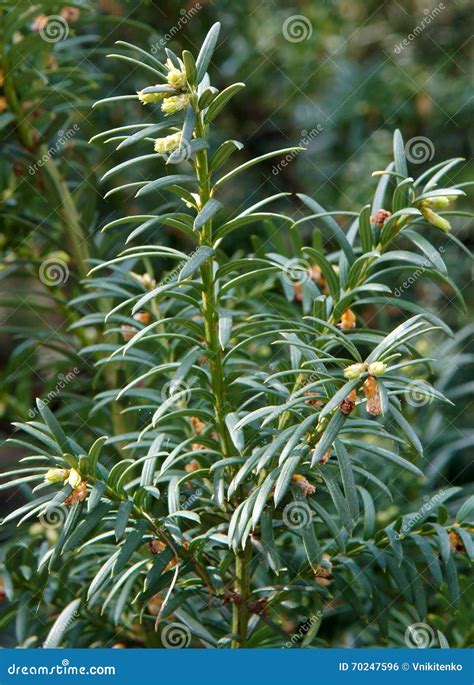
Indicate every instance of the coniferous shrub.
{"type": "Point", "coordinates": [240, 497]}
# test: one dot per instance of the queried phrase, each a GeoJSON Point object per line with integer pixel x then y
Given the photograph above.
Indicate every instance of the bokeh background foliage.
{"type": "Point", "coordinates": [340, 91]}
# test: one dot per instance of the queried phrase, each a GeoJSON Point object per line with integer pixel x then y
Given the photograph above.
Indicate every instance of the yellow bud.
{"type": "Point", "coordinates": [168, 144]}
{"type": "Point", "coordinates": [438, 202]}
{"type": "Point", "coordinates": [435, 219]}
{"type": "Point", "coordinates": [148, 98]}
{"type": "Point", "coordinates": [74, 478]}
{"type": "Point", "coordinates": [377, 368]}
{"type": "Point", "coordinates": [176, 78]}
{"type": "Point", "coordinates": [145, 280]}
{"type": "Point", "coordinates": [353, 371]}
{"type": "Point", "coordinates": [174, 104]}
{"type": "Point", "coordinates": [56, 475]}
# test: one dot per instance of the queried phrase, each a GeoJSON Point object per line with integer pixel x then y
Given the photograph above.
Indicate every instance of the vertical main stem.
{"type": "Point", "coordinates": [240, 610]}
{"type": "Point", "coordinates": [209, 305]}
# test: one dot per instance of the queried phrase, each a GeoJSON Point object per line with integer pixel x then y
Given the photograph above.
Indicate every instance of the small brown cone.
{"type": "Point", "coordinates": [197, 424]}
{"type": "Point", "coordinates": [348, 320]}
{"type": "Point", "coordinates": [456, 542]}
{"type": "Point", "coordinates": [77, 495]}
{"type": "Point", "coordinates": [298, 292]}
{"type": "Point", "coordinates": [303, 483]}
{"type": "Point", "coordinates": [372, 393]}
{"type": "Point", "coordinates": [348, 403]}
{"type": "Point", "coordinates": [380, 217]}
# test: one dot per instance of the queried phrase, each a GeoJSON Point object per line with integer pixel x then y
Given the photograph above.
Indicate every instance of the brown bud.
{"type": "Point", "coordinates": [348, 320]}
{"type": "Point", "coordinates": [380, 217]}
{"type": "Point", "coordinates": [325, 458]}
{"type": "Point", "coordinates": [314, 402]}
{"type": "Point", "coordinates": [323, 574]}
{"type": "Point", "coordinates": [70, 14]}
{"type": "Point", "coordinates": [128, 332]}
{"type": "Point", "coordinates": [77, 495]}
{"type": "Point", "coordinates": [348, 403]}
{"type": "Point", "coordinates": [372, 393]}
{"type": "Point", "coordinates": [298, 292]}
{"type": "Point", "coordinates": [155, 546]}
{"type": "Point", "coordinates": [192, 466]}
{"type": "Point", "coordinates": [315, 273]}
{"type": "Point", "coordinates": [154, 604]}
{"type": "Point", "coordinates": [259, 607]}
{"type": "Point", "coordinates": [40, 22]}
{"type": "Point", "coordinates": [197, 446]}
{"type": "Point", "coordinates": [232, 597]}
{"type": "Point", "coordinates": [197, 424]}
{"type": "Point", "coordinates": [456, 542]}
{"type": "Point", "coordinates": [305, 486]}
{"type": "Point", "coordinates": [143, 317]}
